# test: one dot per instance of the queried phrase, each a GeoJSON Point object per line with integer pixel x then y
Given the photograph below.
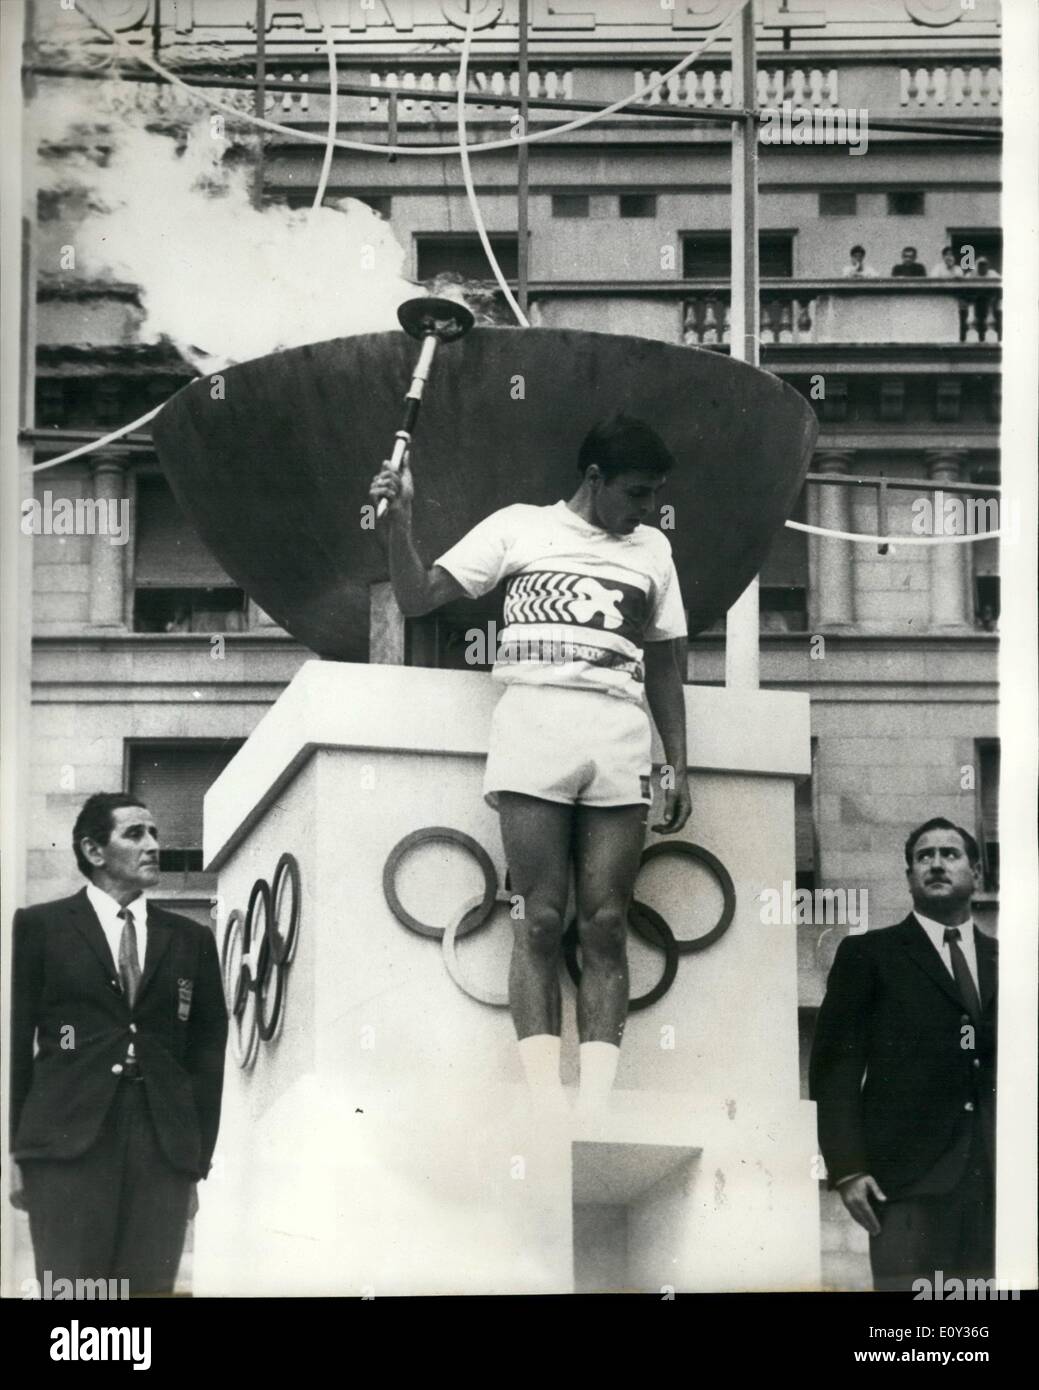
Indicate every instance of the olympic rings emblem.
{"type": "Point", "coordinates": [257, 951]}
{"type": "Point", "coordinates": [647, 924]}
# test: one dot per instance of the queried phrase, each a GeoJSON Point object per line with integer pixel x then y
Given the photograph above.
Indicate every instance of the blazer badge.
{"type": "Point", "coordinates": [184, 992]}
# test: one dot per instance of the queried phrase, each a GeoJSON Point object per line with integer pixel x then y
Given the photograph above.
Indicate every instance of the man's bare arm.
{"type": "Point", "coordinates": [667, 705]}
{"type": "Point", "coordinates": [418, 590]}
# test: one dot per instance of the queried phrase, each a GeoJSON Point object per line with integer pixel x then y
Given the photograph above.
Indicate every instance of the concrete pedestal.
{"type": "Point", "coordinates": [381, 1142]}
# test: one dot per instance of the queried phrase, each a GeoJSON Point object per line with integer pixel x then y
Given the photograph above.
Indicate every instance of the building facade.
{"type": "Point", "coordinates": [149, 667]}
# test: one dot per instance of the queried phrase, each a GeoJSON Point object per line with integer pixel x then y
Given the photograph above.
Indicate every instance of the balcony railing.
{"type": "Point", "coordinates": [838, 313]}
{"type": "Point", "coordinates": [958, 88]}
{"type": "Point", "coordinates": [423, 88]}
{"type": "Point", "coordinates": [793, 312]}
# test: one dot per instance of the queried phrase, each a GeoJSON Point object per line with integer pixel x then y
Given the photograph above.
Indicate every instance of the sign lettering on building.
{"type": "Point", "coordinates": [295, 21]}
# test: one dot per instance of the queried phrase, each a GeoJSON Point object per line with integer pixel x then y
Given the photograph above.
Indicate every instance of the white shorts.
{"type": "Point", "coordinates": [569, 746]}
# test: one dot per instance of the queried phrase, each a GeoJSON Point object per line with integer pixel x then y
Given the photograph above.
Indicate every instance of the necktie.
{"type": "Point", "coordinates": [129, 963]}
{"type": "Point", "coordinates": [962, 975]}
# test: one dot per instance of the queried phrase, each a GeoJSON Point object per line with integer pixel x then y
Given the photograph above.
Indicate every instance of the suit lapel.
{"type": "Point", "coordinates": [159, 937]}
{"type": "Point", "coordinates": [922, 953]}
{"type": "Point", "coordinates": [85, 921]}
{"type": "Point", "coordinates": [985, 950]}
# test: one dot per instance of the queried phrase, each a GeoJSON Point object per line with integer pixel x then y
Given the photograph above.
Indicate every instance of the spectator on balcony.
{"type": "Point", "coordinates": [948, 268]}
{"type": "Point", "coordinates": [984, 270]}
{"type": "Point", "coordinates": [857, 267]}
{"type": "Point", "coordinates": [908, 265]}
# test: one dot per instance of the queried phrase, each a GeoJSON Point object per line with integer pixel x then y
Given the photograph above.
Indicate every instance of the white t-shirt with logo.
{"type": "Point", "coordinates": [580, 603]}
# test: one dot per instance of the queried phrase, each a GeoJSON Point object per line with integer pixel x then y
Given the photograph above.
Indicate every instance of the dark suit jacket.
{"type": "Point", "coordinates": [66, 994]}
{"type": "Point", "coordinates": [889, 1072]}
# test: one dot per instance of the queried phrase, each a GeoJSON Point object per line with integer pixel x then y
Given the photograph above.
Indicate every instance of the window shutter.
{"type": "Point", "coordinates": [169, 553]}
{"type": "Point", "coordinates": [171, 780]}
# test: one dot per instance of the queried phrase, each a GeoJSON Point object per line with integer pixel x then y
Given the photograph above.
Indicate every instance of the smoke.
{"type": "Point", "coordinates": [165, 205]}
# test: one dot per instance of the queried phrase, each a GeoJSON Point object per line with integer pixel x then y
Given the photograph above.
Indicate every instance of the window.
{"type": "Point", "coordinates": [985, 555]}
{"type": "Point", "coordinates": [178, 586]}
{"type": "Point", "coordinates": [708, 255]}
{"type": "Point", "coordinates": [985, 242]}
{"type": "Point", "coordinates": [171, 779]}
{"type": "Point", "coordinates": [838, 203]}
{"type": "Point", "coordinates": [905, 204]}
{"type": "Point", "coordinates": [783, 581]}
{"type": "Point", "coordinates": [987, 793]}
{"type": "Point", "coordinates": [637, 205]}
{"type": "Point", "coordinates": [569, 205]}
{"type": "Point", "coordinates": [462, 254]}
{"type": "Point", "coordinates": [453, 640]}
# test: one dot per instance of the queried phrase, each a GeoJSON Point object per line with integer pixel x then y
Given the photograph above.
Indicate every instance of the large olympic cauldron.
{"type": "Point", "coordinates": [274, 473]}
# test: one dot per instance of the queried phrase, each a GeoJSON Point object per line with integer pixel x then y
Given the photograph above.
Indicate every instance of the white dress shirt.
{"type": "Point", "coordinates": [108, 910]}
{"type": "Point", "coordinates": [936, 935]}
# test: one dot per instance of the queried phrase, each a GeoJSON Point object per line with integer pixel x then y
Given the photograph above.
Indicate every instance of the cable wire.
{"type": "Point", "coordinates": [333, 113]}
{"type": "Point", "coordinates": [467, 175]}
{"type": "Point", "coordinates": [892, 540]}
{"type": "Point", "coordinates": [99, 443]}
{"type": "Point", "coordinates": [360, 147]}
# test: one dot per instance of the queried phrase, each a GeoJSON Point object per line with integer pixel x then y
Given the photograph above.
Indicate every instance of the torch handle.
{"type": "Point", "coordinates": [412, 402]}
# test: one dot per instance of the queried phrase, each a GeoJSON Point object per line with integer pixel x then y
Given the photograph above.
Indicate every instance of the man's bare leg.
{"type": "Point", "coordinates": [536, 835]}
{"type": "Point", "coordinates": [607, 848]}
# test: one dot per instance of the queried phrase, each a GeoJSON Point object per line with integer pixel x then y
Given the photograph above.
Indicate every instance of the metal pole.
{"type": "Point", "coordinates": [522, 165]}
{"type": "Point", "coordinates": [17, 378]}
{"type": "Point", "coordinates": [742, 664]}
{"type": "Point", "coordinates": [260, 100]}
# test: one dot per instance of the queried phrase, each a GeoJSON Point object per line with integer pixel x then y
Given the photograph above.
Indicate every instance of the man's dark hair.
{"type": "Point", "coordinates": [940, 823]}
{"type": "Point", "coordinates": [623, 444]}
{"type": "Point", "coordinates": [947, 251]}
{"type": "Point", "coordinates": [94, 822]}
{"type": "Point", "coordinates": [857, 251]}
{"type": "Point", "coordinates": [909, 248]}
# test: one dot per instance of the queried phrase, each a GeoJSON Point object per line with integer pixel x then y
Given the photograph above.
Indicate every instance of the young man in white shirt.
{"type": "Point", "coordinates": [857, 267]}
{"type": "Point", "coordinates": [948, 268]}
{"type": "Point", "coordinates": [593, 621]}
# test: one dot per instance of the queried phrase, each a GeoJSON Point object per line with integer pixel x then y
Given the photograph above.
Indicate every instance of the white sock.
{"type": "Point", "coordinates": [598, 1070]}
{"type": "Point", "coordinates": [540, 1057]}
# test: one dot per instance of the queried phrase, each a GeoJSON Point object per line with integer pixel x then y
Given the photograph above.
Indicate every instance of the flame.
{"type": "Point", "coordinates": [167, 208]}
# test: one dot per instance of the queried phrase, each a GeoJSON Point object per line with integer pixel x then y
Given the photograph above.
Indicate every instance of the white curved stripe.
{"type": "Point", "coordinates": [98, 443]}
{"type": "Point", "coordinates": [467, 175]}
{"type": "Point", "coordinates": [892, 540]}
{"type": "Point", "coordinates": [359, 146]}
{"type": "Point", "coordinates": [333, 113]}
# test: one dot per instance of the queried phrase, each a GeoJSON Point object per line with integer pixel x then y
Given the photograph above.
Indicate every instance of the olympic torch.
{"type": "Point", "coordinates": [432, 321]}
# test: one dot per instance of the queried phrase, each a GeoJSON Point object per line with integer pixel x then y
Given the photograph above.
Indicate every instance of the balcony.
{"type": "Point", "coordinates": [793, 312]}
{"type": "Point", "coordinates": [963, 87]}
{"type": "Point", "coordinates": [836, 312]}
{"type": "Point", "coordinates": [421, 91]}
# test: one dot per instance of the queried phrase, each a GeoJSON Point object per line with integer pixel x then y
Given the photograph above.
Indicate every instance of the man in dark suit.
{"type": "Point", "coordinates": [115, 1118]}
{"type": "Point", "coordinates": [904, 1072]}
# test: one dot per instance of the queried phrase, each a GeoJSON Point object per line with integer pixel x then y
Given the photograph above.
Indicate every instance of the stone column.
{"type": "Point", "coordinates": [831, 581]}
{"type": "Point", "coordinates": [112, 521]}
{"type": "Point", "coordinates": [949, 562]}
